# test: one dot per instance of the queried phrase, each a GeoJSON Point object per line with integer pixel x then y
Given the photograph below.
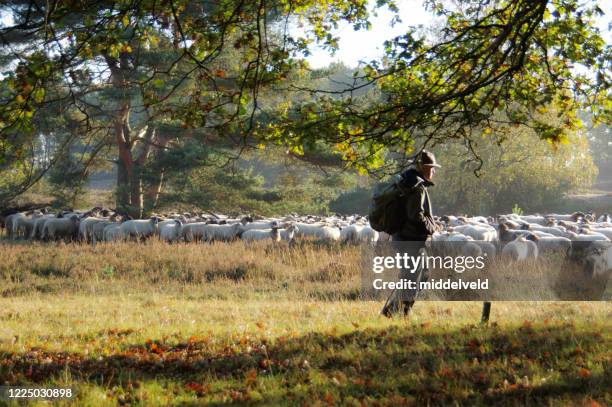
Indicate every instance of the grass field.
{"type": "Point", "coordinates": [159, 324]}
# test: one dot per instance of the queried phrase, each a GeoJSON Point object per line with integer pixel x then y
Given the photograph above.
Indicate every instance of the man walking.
{"type": "Point", "coordinates": [417, 225]}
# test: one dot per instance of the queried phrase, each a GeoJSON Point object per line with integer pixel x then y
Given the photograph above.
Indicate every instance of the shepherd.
{"type": "Point", "coordinates": [416, 225]}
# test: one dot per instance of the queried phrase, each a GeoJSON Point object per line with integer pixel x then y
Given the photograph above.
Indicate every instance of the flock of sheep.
{"type": "Point", "coordinates": [523, 237]}
{"type": "Point", "coordinates": [98, 225]}
{"type": "Point", "coordinates": [584, 238]}
{"type": "Point", "coordinates": [519, 237]}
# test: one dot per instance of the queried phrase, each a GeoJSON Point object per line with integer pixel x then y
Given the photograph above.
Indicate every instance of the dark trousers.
{"type": "Point", "coordinates": [405, 298]}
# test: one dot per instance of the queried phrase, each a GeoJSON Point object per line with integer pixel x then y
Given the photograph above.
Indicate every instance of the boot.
{"type": "Point", "coordinates": [407, 305]}
{"type": "Point", "coordinates": [386, 312]}
{"type": "Point", "coordinates": [392, 306]}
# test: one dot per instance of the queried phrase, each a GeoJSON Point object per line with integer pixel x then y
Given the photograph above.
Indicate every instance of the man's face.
{"type": "Point", "coordinates": [428, 172]}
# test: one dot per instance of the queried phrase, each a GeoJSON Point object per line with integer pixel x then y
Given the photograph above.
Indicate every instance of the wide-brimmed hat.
{"type": "Point", "coordinates": [426, 159]}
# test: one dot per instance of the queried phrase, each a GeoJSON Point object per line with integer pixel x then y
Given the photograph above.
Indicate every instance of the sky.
{"type": "Point", "coordinates": [366, 45]}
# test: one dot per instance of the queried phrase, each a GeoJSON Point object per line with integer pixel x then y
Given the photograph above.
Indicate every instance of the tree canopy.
{"type": "Point", "coordinates": [149, 74]}
{"type": "Point", "coordinates": [130, 81]}
{"type": "Point", "coordinates": [491, 64]}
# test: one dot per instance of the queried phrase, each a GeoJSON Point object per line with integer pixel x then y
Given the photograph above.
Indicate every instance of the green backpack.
{"type": "Point", "coordinates": [387, 208]}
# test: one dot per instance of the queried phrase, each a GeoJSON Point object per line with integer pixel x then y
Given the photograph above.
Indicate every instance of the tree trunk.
{"type": "Point", "coordinates": [127, 178]}
{"type": "Point", "coordinates": [129, 190]}
{"type": "Point", "coordinates": [155, 183]}
{"type": "Point", "coordinates": [154, 190]}
{"type": "Point", "coordinates": [136, 198]}
{"type": "Point", "coordinates": [122, 200]}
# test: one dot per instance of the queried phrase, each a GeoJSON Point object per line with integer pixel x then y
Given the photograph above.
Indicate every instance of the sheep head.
{"type": "Point", "coordinates": [594, 257]}
{"type": "Point", "coordinates": [238, 229]}
{"type": "Point", "coordinates": [550, 221]}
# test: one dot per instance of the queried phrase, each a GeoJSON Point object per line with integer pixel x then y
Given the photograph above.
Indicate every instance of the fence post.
{"type": "Point", "coordinates": [486, 311]}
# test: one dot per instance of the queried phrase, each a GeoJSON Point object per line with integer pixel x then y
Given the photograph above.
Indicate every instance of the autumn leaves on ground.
{"type": "Point", "coordinates": [159, 324]}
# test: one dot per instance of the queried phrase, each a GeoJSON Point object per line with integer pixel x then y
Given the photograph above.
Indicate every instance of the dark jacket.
{"type": "Point", "coordinates": [418, 221]}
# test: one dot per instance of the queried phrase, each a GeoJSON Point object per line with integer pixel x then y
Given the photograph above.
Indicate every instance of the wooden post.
{"type": "Point", "coordinates": [486, 311]}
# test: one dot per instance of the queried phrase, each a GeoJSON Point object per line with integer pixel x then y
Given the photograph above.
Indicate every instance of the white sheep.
{"type": "Point", "coordinates": [170, 230]}
{"type": "Point", "coordinates": [541, 234]}
{"type": "Point", "coordinates": [56, 228]}
{"type": "Point", "coordinates": [350, 233]}
{"type": "Point", "coordinates": [86, 227]}
{"type": "Point", "coordinates": [478, 220]}
{"type": "Point", "coordinates": [10, 221]}
{"type": "Point", "coordinates": [195, 231]}
{"type": "Point", "coordinates": [553, 230]}
{"type": "Point", "coordinates": [450, 236]}
{"type": "Point", "coordinates": [477, 232]}
{"type": "Point", "coordinates": [318, 231]}
{"type": "Point", "coordinates": [258, 225]}
{"type": "Point", "coordinates": [520, 249]}
{"type": "Point", "coordinates": [224, 233]}
{"type": "Point", "coordinates": [113, 233]}
{"type": "Point", "coordinates": [140, 228]}
{"type": "Point", "coordinates": [453, 220]}
{"type": "Point", "coordinates": [22, 226]}
{"type": "Point", "coordinates": [39, 224]}
{"type": "Point", "coordinates": [368, 234]}
{"type": "Point", "coordinates": [253, 235]}
{"type": "Point", "coordinates": [537, 219]}
{"type": "Point", "coordinates": [97, 231]}
{"type": "Point", "coordinates": [288, 234]}
{"type": "Point", "coordinates": [357, 233]}
{"type": "Point", "coordinates": [448, 243]}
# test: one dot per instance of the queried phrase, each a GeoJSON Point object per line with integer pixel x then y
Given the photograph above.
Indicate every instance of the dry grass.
{"type": "Point", "coordinates": [227, 270]}
{"type": "Point", "coordinates": [189, 324]}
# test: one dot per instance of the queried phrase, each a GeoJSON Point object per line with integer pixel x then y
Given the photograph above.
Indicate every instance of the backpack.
{"type": "Point", "coordinates": [387, 207]}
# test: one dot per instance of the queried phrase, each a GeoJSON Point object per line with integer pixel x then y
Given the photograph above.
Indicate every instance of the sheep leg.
{"type": "Point", "coordinates": [486, 311]}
